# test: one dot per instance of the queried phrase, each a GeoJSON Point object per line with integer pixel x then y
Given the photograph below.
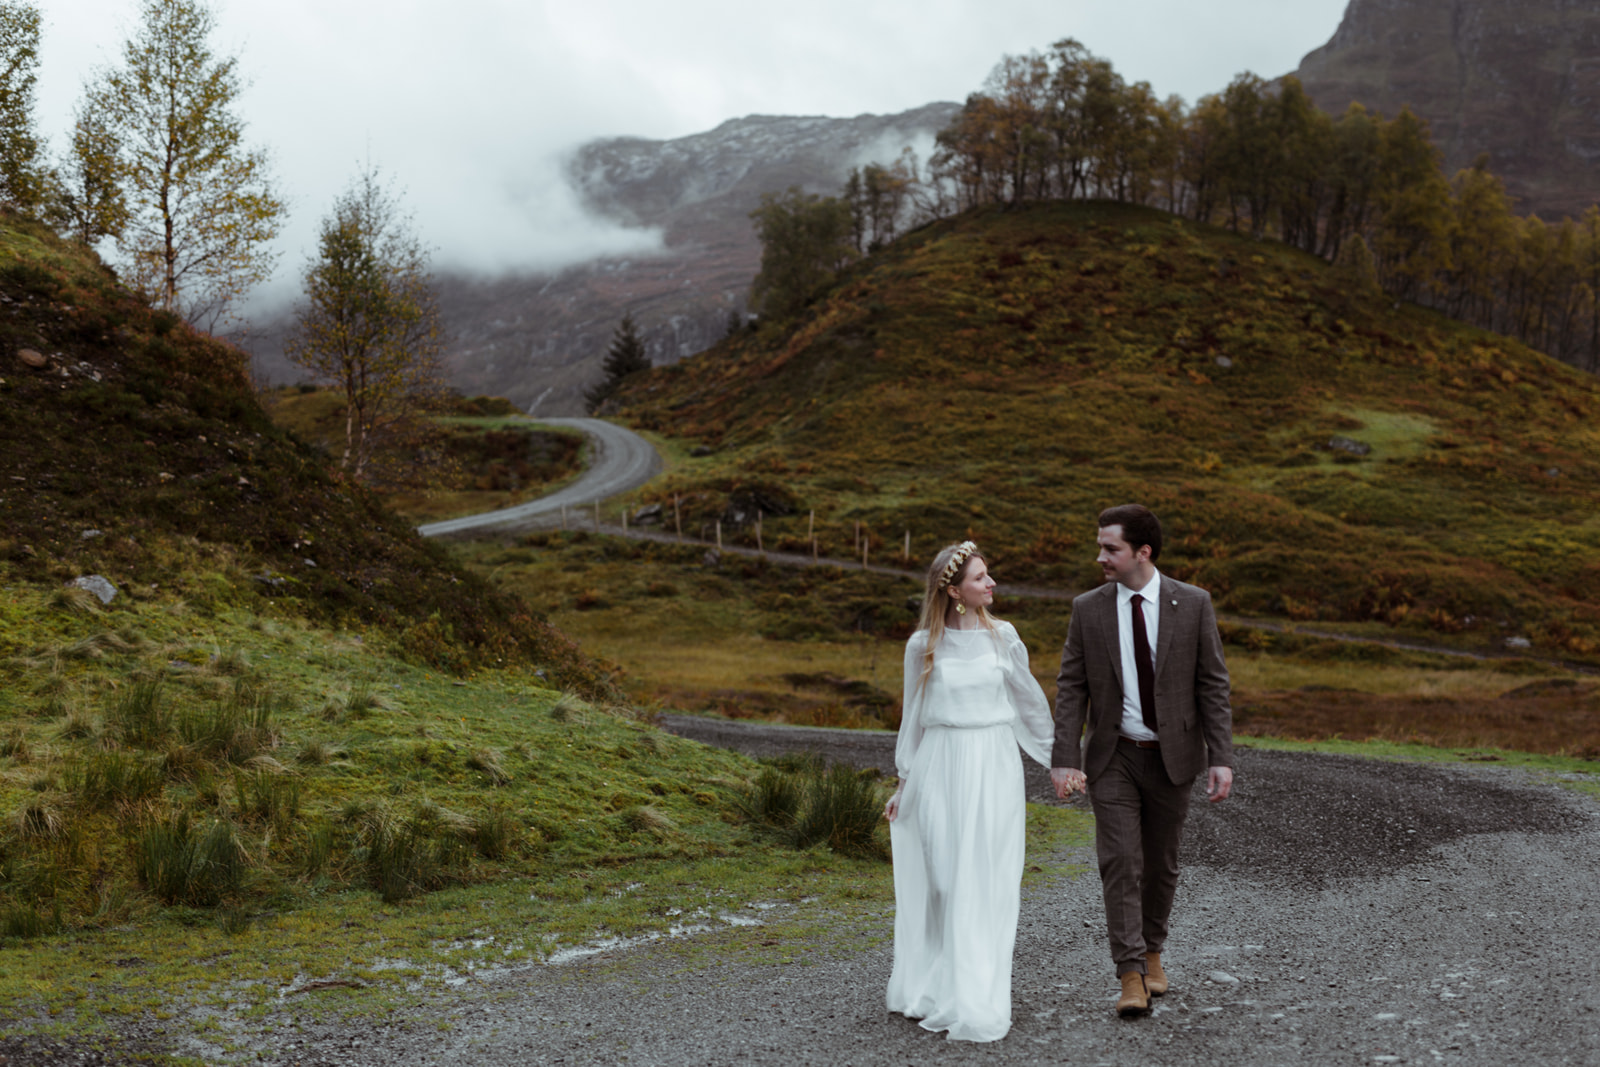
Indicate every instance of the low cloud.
{"type": "Point", "coordinates": [473, 107]}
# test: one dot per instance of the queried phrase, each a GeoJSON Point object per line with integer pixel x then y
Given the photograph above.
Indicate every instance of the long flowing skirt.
{"type": "Point", "coordinates": [959, 843]}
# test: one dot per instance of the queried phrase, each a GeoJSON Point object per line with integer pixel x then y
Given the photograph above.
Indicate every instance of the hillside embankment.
{"type": "Point", "coordinates": [1317, 452]}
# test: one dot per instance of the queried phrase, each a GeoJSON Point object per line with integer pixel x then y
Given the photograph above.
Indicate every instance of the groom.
{"type": "Point", "coordinates": [1142, 670]}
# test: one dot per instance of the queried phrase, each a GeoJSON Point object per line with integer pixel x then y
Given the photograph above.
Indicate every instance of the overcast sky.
{"type": "Point", "coordinates": [471, 105]}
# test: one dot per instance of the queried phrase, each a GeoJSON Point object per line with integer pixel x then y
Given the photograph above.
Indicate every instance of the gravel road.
{"type": "Point", "coordinates": [622, 461]}
{"type": "Point", "coordinates": [1335, 911]}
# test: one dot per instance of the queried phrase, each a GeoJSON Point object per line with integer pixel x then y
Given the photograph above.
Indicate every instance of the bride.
{"type": "Point", "coordinates": [957, 823]}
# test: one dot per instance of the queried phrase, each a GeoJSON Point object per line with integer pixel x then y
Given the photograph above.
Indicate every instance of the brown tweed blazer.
{"type": "Point", "coordinates": [1194, 719]}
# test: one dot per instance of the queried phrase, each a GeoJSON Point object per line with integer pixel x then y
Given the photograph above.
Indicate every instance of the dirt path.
{"type": "Point", "coordinates": [1336, 911]}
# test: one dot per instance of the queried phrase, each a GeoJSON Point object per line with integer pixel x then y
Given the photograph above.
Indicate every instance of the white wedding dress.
{"type": "Point", "coordinates": [960, 833]}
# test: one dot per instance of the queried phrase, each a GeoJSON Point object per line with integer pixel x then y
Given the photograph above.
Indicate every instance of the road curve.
{"type": "Point", "coordinates": [622, 460]}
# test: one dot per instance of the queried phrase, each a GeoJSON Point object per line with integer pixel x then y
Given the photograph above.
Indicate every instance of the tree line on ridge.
{"type": "Point", "coordinates": [1258, 157]}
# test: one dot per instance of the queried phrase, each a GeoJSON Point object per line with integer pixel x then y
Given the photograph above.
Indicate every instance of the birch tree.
{"type": "Point", "coordinates": [369, 322]}
{"type": "Point", "coordinates": [21, 180]}
{"type": "Point", "coordinates": [200, 201]}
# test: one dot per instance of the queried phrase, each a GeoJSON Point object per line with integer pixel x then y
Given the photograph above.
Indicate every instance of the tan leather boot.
{"type": "Point", "coordinates": [1155, 979]}
{"type": "Point", "coordinates": [1135, 998]}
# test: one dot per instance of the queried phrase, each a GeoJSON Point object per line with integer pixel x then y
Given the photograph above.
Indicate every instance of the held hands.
{"type": "Point", "coordinates": [1068, 780]}
{"type": "Point", "coordinates": [1219, 783]}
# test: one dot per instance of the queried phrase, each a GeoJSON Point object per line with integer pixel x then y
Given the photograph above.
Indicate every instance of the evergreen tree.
{"type": "Point", "coordinates": [625, 356]}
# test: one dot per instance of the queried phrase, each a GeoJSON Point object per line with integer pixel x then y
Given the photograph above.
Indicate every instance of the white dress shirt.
{"type": "Point", "coordinates": [1132, 710]}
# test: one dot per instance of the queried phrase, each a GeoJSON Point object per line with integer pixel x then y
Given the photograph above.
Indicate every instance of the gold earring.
{"type": "Point", "coordinates": [961, 609]}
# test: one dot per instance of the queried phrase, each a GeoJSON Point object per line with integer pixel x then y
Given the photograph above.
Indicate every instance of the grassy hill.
{"type": "Point", "coordinates": [138, 452]}
{"type": "Point", "coordinates": [298, 732]}
{"type": "Point", "coordinates": [1316, 451]}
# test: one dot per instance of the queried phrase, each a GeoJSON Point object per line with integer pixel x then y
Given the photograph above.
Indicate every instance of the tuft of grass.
{"type": "Point", "coordinates": [268, 797]}
{"type": "Point", "coordinates": [649, 820]}
{"type": "Point", "coordinates": [141, 716]}
{"type": "Point", "coordinates": [78, 725]}
{"type": "Point", "coordinates": [115, 778]}
{"type": "Point", "coordinates": [362, 701]}
{"type": "Point", "coordinates": [842, 808]}
{"type": "Point", "coordinates": [184, 861]}
{"type": "Point", "coordinates": [14, 743]}
{"type": "Point", "coordinates": [406, 855]}
{"type": "Point", "coordinates": [319, 753]}
{"type": "Point", "coordinates": [234, 730]}
{"type": "Point", "coordinates": [76, 601]}
{"type": "Point", "coordinates": [494, 831]}
{"type": "Point", "coordinates": [319, 846]}
{"type": "Point", "coordinates": [233, 663]}
{"type": "Point", "coordinates": [773, 798]}
{"type": "Point", "coordinates": [805, 803]}
{"type": "Point", "coordinates": [38, 819]}
{"type": "Point", "coordinates": [488, 761]}
{"type": "Point", "coordinates": [23, 921]}
{"type": "Point", "coordinates": [570, 708]}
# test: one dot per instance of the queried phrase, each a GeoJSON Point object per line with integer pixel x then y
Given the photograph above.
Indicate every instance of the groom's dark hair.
{"type": "Point", "coordinates": [1139, 526]}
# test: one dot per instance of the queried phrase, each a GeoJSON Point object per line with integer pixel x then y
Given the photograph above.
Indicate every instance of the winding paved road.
{"type": "Point", "coordinates": [622, 461]}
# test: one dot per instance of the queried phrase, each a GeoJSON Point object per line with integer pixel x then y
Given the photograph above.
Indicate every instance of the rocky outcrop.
{"type": "Point", "coordinates": [1517, 79]}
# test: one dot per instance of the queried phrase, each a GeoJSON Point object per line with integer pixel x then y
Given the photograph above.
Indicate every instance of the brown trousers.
{"type": "Point", "coordinates": [1139, 818]}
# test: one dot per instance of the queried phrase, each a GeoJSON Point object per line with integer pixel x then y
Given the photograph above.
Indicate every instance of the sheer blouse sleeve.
{"type": "Point", "coordinates": [1033, 725]}
{"type": "Point", "coordinates": [911, 700]}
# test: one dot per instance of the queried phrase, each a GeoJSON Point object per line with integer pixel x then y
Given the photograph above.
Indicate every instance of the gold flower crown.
{"type": "Point", "coordinates": [964, 551]}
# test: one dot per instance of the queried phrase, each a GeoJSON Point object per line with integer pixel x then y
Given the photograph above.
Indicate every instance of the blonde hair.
{"type": "Point", "coordinates": [935, 602]}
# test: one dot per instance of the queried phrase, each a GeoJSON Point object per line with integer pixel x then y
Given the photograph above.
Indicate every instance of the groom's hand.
{"type": "Point", "coordinates": [1219, 783]}
{"type": "Point", "coordinates": [1067, 780]}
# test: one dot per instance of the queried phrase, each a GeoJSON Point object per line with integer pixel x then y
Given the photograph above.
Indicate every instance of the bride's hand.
{"type": "Point", "coordinates": [892, 808]}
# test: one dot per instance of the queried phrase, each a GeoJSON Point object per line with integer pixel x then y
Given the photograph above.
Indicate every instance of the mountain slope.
{"type": "Point", "coordinates": [539, 338]}
{"type": "Point", "coordinates": [1518, 80]}
{"type": "Point", "coordinates": [136, 450]}
{"type": "Point", "coordinates": [1007, 374]}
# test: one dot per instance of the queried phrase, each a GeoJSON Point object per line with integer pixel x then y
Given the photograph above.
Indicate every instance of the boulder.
{"type": "Point", "coordinates": [1340, 443]}
{"type": "Point", "coordinates": [32, 358]}
{"type": "Point", "coordinates": [94, 583]}
{"type": "Point", "coordinates": [647, 515]}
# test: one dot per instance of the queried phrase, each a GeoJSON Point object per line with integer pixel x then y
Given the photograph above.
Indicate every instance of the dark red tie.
{"type": "Point", "coordinates": [1144, 663]}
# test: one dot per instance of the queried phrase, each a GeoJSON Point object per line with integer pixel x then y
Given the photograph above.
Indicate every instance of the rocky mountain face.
{"type": "Point", "coordinates": [539, 339]}
{"type": "Point", "coordinates": [1518, 79]}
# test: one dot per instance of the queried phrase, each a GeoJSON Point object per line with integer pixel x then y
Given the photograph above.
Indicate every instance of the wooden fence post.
{"type": "Point", "coordinates": [813, 549]}
{"type": "Point", "coordinates": [677, 517]}
{"type": "Point", "coordinates": [865, 543]}
{"type": "Point", "coordinates": [597, 516]}
{"type": "Point", "coordinates": [908, 546]}
{"type": "Point", "coordinates": [719, 536]}
{"type": "Point", "coordinates": [563, 518]}
{"type": "Point", "coordinates": [811, 525]}
{"type": "Point", "coordinates": [624, 518]}
{"type": "Point", "coordinates": [759, 546]}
